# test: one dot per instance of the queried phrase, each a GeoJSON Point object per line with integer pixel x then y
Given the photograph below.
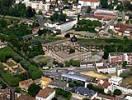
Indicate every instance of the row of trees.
{"type": "Point", "coordinates": [75, 63]}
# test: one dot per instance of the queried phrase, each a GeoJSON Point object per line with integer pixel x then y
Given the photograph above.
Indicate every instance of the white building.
{"type": "Point", "coordinates": [109, 70]}
{"type": "Point", "coordinates": [63, 27]}
{"type": "Point", "coordinates": [115, 80]}
{"type": "Point", "coordinates": [46, 94]}
{"type": "Point", "coordinates": [37, 5]}
{"type": "Point", "coordinates": [92, 3]}
{"type": "Point", "coordinates": [123, 89]}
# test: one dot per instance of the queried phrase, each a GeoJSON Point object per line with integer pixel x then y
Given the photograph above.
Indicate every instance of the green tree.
{"type": "Point", "coordinates": [33, 90]}
{"type": "Point", "coordinates": [117, 92]}
{"type": "Point", "coordinates": [104, 3]}
{"type": "Point", "coordinates": [124, 64]}
{"type": "Point", "coordinates": [60, 92]}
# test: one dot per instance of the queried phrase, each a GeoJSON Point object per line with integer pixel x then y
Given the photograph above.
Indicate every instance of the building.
{"type": "Point", "coordinates": [85, 92]}
{"type": "Point", "coordinates": [37, 5]}
{"type": "Point", "coordinates": [107, 69]}
{"type": "Point", "coordinates": [63, 27]}
{"type": "Point", "coordinates": [118, 58]}
{"type": "Point", "coordinates": [45, 81]}
{"type": "Point", "coordinates": [115, 80]}
{"type": "Point", "coordinates": [92, 3]}
{"type": "Point", "coordinates": [5, 94]}
{"type": "Point", "coordinates": [115, 58]}
{"type": "Point", "coordinates": [46, 94]}
{"type": "Point", "coordinates": [123, 30]}
{"type": "Point", "coordinates": [105, 14]}
{"type": "Point", "coordinates": [24, 85]}
{"type": "Point", "coordinates": [76, 77]}
{"type": "Point", "coordinates": [104, 84]}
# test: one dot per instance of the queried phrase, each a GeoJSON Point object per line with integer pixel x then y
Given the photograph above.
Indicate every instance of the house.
{"type": "Point", "coordinates": [123, 29]}
{"type": "Point", "coordinates": [115, 80]}
{"type": "Point", "coordinates": [46, 94]}
{"type": "Point", "coordinates": [105, 14]}
{"type": "Point", "coordinates": [106, 69]}
{"type": "Point", "coordinates": [85, 92]}
{"type": "Point", "coordinates": [92, 3]}
{"type": "Point", "coordinates": [37, 5]}
{"type": "Point", "coordinates": [115, 58]}
{"type": "Point", "coordinates": [5, 94]}
{"type": "Point", "coordinates": [45, 81]}
{"type": "Point", "coordinates": [24, 85]}
{"type": "Point", "coordinates": [63, 27]}
{"type": "Point", "coordinates": [118, 58]}
{"type": "Point", "coordinates": [104, 84]}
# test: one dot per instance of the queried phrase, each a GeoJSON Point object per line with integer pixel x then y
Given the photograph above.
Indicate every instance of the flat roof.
{"type": "Point", "coordinates": [75, 77]}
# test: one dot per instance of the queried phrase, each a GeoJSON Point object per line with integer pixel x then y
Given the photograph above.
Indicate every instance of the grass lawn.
{"type": "Point", "coordinates": [95, 75]}
{"type": "Point", "coordinates": [127, 81]}
{"type": "Point", "coordinates": [41, 59]}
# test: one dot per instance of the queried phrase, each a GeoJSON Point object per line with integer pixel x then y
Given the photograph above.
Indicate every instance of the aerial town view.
{"type": "Point", "coordinates": [65, 49]}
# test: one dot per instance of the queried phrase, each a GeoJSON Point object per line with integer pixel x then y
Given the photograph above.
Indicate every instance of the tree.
{"type": "Point", "coordinates": [60, 92]}
{"type": "Point", "coordinates": [67, 36]}
{"type": "Point", "coordinates": [104, 3]}
{"type": "Point", "coordinates": [30, 12]}
{"type": "Point", "coordinates": [33, 89]}
{"type": "Point", "coordinates": [117, 92]}
{"type": "Point", "coordinates": [58, 17]}
{"type": "Point", "coordinates": [88, 9]}
{"type": "Point", "coordinates": [124, 64]}
{"type": "Point", "coordinates": [72, 50]}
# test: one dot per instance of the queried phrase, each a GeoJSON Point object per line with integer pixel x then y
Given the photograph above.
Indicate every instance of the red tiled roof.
{"type": "Point", "coordinates": [90, 0]}
{"type": "Point", "coordinates": [103, 83]}
{"type": "Point", "coordinates": [123, 27]}
{"type": "Point", "coordinates": [45, 92]}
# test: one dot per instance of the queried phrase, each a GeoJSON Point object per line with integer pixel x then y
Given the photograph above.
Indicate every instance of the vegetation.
{"type": "Point", "coordinates": [109, 45]}
{"type": "Point", "coordinates": [75, 83]}
{"type": "Point", "coordinates": [126, 74]}
{"type": "Point", "coordinates": [87, 25]}
{"type": "Point", "coordinates": [117, 92]}
{"type": "Point", "coordinates": [33, 90]}
{"type": "Point", "coordinates": [95, 88]}
{"type": "Point", "coordinates": [12, 80]}
{"type": "Point", "coordinates": [58, 17]}
{"type": "Point", "coordinates": [75, 63]}
{"type": "Point", "coordinates": [104, 3]}
{"type": "Point", "coordinates": [60, 92]}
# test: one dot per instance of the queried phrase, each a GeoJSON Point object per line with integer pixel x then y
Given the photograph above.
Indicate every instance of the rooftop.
{"type": "Point", "coordinates": [123, 27]}
{"type": "Point", "coordinates": [75, 77]}
{"type": "Point", "coordinates": [84, 91]}
{"type": "Point", "coordinates": [45, 92]}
